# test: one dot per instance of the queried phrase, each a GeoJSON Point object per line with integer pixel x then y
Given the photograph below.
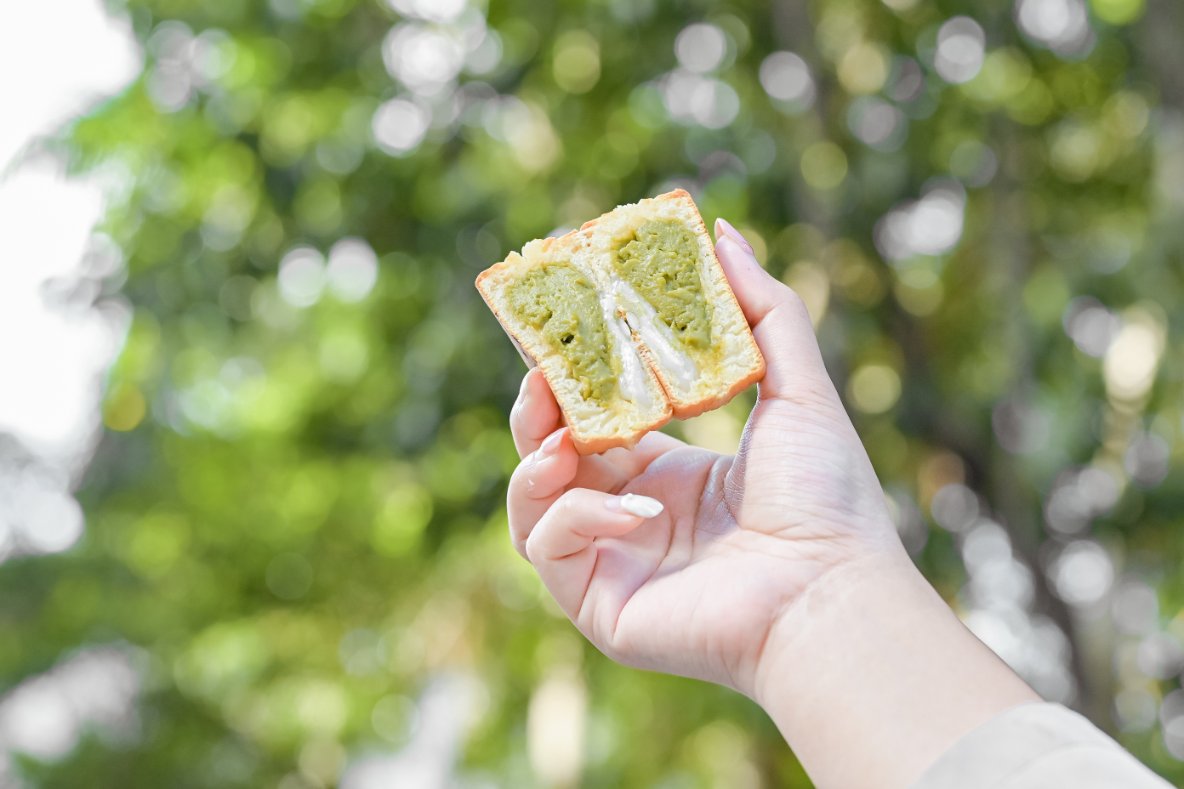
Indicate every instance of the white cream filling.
{"type": "Point", "coordinates": [632, 380]}
{"type": "Point", "coordinates": [644, 320]}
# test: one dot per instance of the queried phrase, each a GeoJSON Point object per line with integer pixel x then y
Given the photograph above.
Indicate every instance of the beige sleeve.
{"type": "Point", "coordinates": [1038, 746]}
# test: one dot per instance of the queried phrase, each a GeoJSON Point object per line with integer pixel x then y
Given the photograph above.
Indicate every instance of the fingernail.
{"type": "Point", "coordinates": [724, 225]}
{"type": "Point", "coordinates": [551, 443]}
{"type": "Point", "coordinates": [641, 506]}
{"type": "Point", "coordinates": [740, 256]}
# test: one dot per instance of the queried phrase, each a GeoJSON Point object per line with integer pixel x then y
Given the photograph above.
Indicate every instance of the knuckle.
{"type": "Point", "coordinates": [532, 546]}
{"type": "Point", "coordinates": [560, 516]}
{"type": "Point", "coordinates": [566, 506]}
{"type": "Point", "coordinates": [792, 302]}
{"type": "Point", "coordinates": [523, 479]}
{"type": "Point", "coordinates": [619, 653]}
{"type": "Point", "coordinates": [518, 410]}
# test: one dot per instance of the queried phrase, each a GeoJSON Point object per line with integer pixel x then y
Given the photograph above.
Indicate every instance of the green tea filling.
{"type": "Point", "coordinates": [661, 263]}
{"type": "Point", "coordinates": [561, 303]}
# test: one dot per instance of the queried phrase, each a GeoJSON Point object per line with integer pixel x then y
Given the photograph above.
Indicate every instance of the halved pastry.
{"type": "Point", "coordinates": [630, 318]}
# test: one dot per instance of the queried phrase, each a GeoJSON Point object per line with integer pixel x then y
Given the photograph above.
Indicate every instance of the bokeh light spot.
{"type": "Point", "coordinates": [1060, 25]}
{"type": "Point", "coordinates": [442, 11]}
{"type": "Point", "coordinates": [1118, 12]}
{"type": "Point", "coordinates": [321, 706]}
{"type": "Point", "coordinates": [124, 408]}
{"type": "Point", "coordinates": [954, 507]}
{"type": "Point", "coordinates": [960, 50]}
{"type": "Point", "coordinates": [302, 277]}
{"type": "Point", "coordinates": [1131, 361]}
{"type": "Point", "coordinates": [352, 270]}
{"type": "Point", "coordinates": [399, 126]}
{"type": "Point", "coordinates": [877, 123]}
{"type": "Point", "coordinates": [874, 388]}
{"type": "Point", "coordinates": [1082, 573]}
{"type": "Point", "coordinates": [1148, 459]}
{"type": "Point", "coordinates": [555, 727]}
{"type": "Point", "coordinates": [52, 521]}
{"type": "Point", "coordinates": [154, 543]}
{"type": "Point", "coordinates": [863, 69]}
{"type": "Point", "coordinates": [1090, 325]}
{"type": "Point", "coordinates": [929, 226]}
{"type": "Point", "coordinates": [93, 690]}
{"type": "Point", "coordinates": [810, 281]}
{"type": "Point", "coordinates": [576, 65]}
{"type": "Point", "coordinates": [1076, 150]}
{"type": "Point", "coordinates": [693, 99]}
{"type": "Point", "coordinates": [402, 519]}
{"type": "Point", "coordinates": [425, 58]}
{"type": "Point", "coordinates": [824, 165]}
{"type": "Point", "coordinates": [786, 78]}
{"type": "Point", "coordinates": [701, 48]}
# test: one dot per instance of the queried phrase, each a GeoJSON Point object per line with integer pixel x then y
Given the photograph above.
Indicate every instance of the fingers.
{"type": "Point", "coordinates": [555, 528]}
{"type": "Point", "coordinates": [535, 414]}
{"type": "Point", "coordinates": [546, 473]}
{"type": "Point", "coordinates": [778, 318]}
{"type": "Point", "coordinates": [619, 465]}
{"type": "Point", "coordinates": [562, 547]}
{"type": "Point", "coordinates": [539, 480]}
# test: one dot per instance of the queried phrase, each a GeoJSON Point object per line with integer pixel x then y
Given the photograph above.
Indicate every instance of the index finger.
{"type": "Point", "coordinates": [535, 414]}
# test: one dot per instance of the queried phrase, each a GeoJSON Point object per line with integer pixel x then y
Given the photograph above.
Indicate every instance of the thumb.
{"type": "Point", "coordinates": [779, 321]}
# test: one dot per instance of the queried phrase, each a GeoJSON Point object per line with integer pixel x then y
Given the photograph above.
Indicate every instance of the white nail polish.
{"type": "Point", "coordinates": [641, 506]}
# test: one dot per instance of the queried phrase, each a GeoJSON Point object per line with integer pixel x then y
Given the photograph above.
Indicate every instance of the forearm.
{"type": "Point", "coordinates": [870, 677]}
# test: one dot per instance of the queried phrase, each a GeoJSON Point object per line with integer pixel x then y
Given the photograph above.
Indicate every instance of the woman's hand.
{"type": "Point", "coordinates": [673, 558]}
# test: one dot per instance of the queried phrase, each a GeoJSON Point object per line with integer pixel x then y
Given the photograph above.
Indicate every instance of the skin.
{"type": "Point", "coordinates": [776, 572]}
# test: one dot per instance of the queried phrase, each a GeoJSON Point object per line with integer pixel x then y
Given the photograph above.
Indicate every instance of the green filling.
{"type": "Point", "coordinates": [562, 304]}
{"type": "Point", "coordinates": [661, 263]}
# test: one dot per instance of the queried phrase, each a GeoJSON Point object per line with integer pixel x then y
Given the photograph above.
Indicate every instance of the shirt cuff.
{"type": "Point", "coordinates": [1038, 746]}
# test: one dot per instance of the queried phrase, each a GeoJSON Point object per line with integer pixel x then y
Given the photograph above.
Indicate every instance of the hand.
{"type": "Point", "coordinates": [673, 558]}
{"type": "Point", "coordinates": [776, 572]}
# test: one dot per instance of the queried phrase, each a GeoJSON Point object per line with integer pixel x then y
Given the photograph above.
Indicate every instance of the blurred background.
{"type": "Point", "coordinates": [252, 412]}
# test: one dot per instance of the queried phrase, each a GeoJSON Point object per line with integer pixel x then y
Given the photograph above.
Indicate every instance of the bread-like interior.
{"type": "Point", "coordinates": [630, 318]}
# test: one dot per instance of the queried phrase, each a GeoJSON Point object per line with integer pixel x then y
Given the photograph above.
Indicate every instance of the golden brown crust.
{"type": "Point", "coordinates": [595, 446]}
{"type": "Point", "coordinates": [712, 403]}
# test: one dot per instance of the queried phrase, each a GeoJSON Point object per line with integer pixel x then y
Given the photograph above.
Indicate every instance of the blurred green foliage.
{"type": "Point", "coordinates": [297, 515]}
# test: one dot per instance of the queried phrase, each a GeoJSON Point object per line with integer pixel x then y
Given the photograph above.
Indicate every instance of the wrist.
{"type": "Point", "coordinates": [827, 611]}
{"type": "Point", "coordinates": [870, 656]}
